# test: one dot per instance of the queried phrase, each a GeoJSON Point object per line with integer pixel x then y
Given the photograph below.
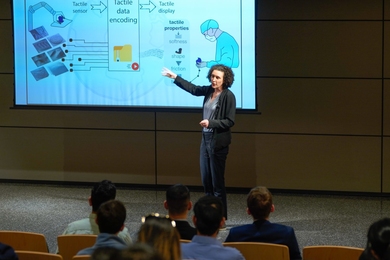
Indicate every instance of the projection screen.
{"type": "Point", "coordinates": [109, 53]}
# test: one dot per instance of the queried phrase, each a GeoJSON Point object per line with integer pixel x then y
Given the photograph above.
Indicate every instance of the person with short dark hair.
{"type": "Point", "coordinates": [259, 206]}
{"type": "Point", "coordinates": [178, 203]}
{"type": "Point", "coordinates": [208, 219]}
{"type": "Point", "coordinates": [110, 218]}
{"type": "Point", "coordinates": [378, 241]}
{"type": "Point", "coordinates": [101, 192]}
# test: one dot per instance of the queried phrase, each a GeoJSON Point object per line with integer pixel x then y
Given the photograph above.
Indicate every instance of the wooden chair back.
{"type": "Point", "coordinates": [27, 241]}
{"type": "Point", "coordinates": [70, 245]}
{"type": "Point", "coordinates": [31, 255]}
{"type": "Point", "coordinates": [185, 241]}
{"type": "Point", "coordinates": [257, 250]}
{"type": "Point", "coordinates": [329, 252]}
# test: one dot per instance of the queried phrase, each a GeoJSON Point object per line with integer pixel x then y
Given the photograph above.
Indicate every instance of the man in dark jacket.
{"type": "Point", "coordinates": [178, 203]}
{"type": "Point", "coordinates": [259, 206]}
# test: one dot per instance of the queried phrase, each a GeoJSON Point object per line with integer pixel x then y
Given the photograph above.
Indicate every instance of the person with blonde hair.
{"type": "Point", "coordinates": [160, 233]}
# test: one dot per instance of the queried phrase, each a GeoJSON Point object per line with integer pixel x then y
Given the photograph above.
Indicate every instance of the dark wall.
{"type": "Point", "coordinates": [323, 89]}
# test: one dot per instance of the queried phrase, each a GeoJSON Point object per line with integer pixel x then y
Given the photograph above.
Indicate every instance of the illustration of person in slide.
{"type": "Point", "coordinates": [226, 51]}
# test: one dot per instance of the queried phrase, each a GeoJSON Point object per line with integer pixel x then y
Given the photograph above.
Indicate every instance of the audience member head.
{"type": "Point", "coordinates": [208, 215]}
{"type": "Point", "coordinates": [177, 200]}
{"type": "Point", "coordinates": [160, 233]}
{"type": "Point", "coordinates": [378, 240]}
{"type": "Point", "coordinates": [140, 251]}
{"type": "Point", "coordinates": [101, 192]}
{"type": "Point", "coordinates": [106, 253]}
{"type": "Point", "coordinates": [111, 217]}
{"type": "Point", "coordinates": [259, 203]}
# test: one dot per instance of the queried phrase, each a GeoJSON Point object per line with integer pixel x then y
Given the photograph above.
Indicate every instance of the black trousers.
{"type": "Point", "coordinates": [212, 169]}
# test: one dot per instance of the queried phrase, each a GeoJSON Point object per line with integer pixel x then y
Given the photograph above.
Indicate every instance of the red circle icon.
{"type": "Point", "coordinates": [135, 66]}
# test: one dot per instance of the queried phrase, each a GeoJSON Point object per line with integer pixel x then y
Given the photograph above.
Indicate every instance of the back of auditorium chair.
{"type": "Point", "coordinates": [258, 250]}
{"type": "Point", "coordinates": [27, 241]}
{"type": "Point", "coordinates": [70, 245]}
{"type": "Point", "coordinates": [329, 252]}
{"type": "Point", "coordinates": [31, 255]}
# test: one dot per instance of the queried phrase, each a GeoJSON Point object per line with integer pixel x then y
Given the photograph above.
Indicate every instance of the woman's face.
{"type": "Point", "coordinates": [216, 79]}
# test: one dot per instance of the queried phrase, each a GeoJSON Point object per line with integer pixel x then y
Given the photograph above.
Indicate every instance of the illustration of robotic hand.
{"type": "Point", "coordinates": [200, 64]}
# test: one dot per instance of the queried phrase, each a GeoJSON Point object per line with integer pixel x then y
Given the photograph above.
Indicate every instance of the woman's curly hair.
{"type": "Point", "coordinates": [228, 75]}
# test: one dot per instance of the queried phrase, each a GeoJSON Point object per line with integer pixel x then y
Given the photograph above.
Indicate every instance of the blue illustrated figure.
{"type": "Point", "coordinates": [226, 51]}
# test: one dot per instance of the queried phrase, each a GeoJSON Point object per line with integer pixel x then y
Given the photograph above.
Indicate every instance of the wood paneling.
{"type": "Point", "coordinates": [319, 49]}
{"type": "Point", "coordinates": [326, 163]}
{"type": "Point", "coordinates": [320, 10]}
{"type": "Point", "coordinates": [118, 155]}
{"type": "Point", "coordinates": [386, 165]}
{"type": "Point", "coordinates": [7, 49]}
{"type": "Point", "coordinates": [178, 159]}
{"type": "Point", "coordinates": [317, 106]}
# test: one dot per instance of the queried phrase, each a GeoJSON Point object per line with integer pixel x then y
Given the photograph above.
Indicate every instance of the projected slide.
{"type": "Point", "coordinates": [110, 52]}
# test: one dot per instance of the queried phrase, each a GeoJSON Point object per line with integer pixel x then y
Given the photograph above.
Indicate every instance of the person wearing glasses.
{"type": "Point", "coordinates": [159, 232]}
{"type": "Point", "coordinates": [208, 219]}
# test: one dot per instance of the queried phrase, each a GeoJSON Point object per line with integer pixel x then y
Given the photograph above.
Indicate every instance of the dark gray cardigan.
{"type": "Point", "coordinates": [225, 111]}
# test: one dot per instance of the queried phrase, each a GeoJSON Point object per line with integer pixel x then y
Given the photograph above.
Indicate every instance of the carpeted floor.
{"type": "Point", "coordinates": [317, 219]}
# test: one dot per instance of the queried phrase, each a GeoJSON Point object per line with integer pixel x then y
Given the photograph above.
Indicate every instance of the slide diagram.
{"type": "Point", "coordinates": [110, 52]}
{"type": "Point", "coordinates": [45, 44]}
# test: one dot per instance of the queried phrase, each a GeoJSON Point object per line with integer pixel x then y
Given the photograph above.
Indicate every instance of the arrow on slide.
{"type": "Point", "coordinates": [149, 7]}
{"type": "Point", "coordinates": [97, 7]}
